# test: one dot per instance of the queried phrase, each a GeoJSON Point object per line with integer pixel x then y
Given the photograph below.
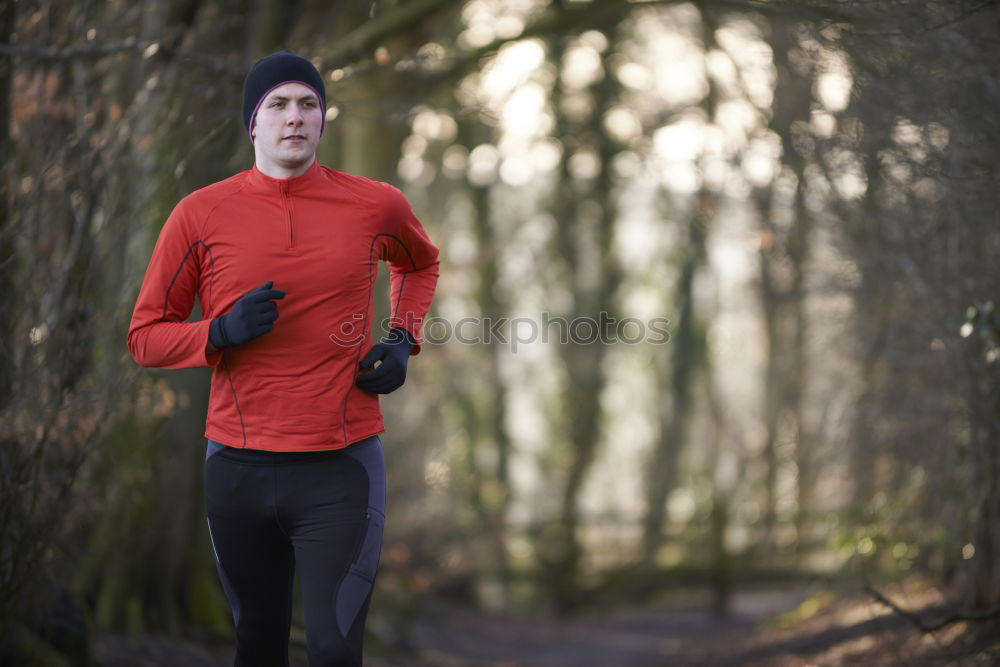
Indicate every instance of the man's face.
{"type": "Point", "coordinates": [286, 130]}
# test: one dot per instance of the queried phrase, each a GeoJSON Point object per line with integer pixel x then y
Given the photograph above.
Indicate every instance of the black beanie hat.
{"type": "Point", "coordinates": [275, 70]}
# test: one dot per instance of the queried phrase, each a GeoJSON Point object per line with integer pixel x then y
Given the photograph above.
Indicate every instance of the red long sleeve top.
{"type": "Point", "coordinates": [319, 237]}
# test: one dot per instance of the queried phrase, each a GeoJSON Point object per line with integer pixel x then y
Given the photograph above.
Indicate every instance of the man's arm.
{"type": "Point", "coordinates": [413, 268]}
{"type": "Point", "coordinates": [158, 335]}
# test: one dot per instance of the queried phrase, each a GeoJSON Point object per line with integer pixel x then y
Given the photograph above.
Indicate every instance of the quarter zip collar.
{"type": "Point", "coordinates": [284, 191]}
{"type": "Point", "coordinates": [258, 181]}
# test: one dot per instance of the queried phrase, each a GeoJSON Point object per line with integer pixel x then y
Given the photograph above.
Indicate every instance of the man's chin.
{"type": "Point", "coordinates": [297, 159]}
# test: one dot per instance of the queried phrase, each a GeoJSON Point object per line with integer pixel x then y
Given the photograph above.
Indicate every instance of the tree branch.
{"type": "Point", "coordinates": [957, 18]}
{"type": "Point", "coordinates": [98, 51]}
{"type": "Point", "coordinates": [953, 617]}
{"type": "Point", "coordinates": [72, 52]}
{"type": "Point", "coordinates": [365, 36]}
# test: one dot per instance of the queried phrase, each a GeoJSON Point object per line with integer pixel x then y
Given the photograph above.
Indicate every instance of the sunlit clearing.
{"type": "Point", "coordinates": [584, 164]}
{"type": "Point", "coordinates": [437, 472]}
{"type": "Point", "coordinates": [737, 118]}
{"type": "Point", "coordinates": [905, 132]}
{"type": "Point", "coordinates": [722, 70]}
{"type": "Point", "coordinates": [410, 167]}
{"type": "Point", "coordinates": [516, 172]}
{"type": "Point", "coordinates": [630, 404]}
{"type": "Point", "coordinates": [715, 167]}
{"type": "Point", "coordinates": [823, 124]}
{"type": "Point", "coordinates": [431, 56]}
{"type": "Point", "coordinates": [682, 177]}
{"type": "Point", "coordinates": [455, 159]}
{"type": "Point", "coordinates": [38, 334]}
{"type": "Point", "coordinates": [731, 259]}
{"type": "Point", "coordinates": [528, 425]}
{"type": "Point", "coordinates": [626, 165]}
{"type": "Point", "coordinates": [414, 145]}
{"type": "Point", "coordinates": [848, 174]}
{"type": "Point", "coordinates": [545, 155]}
{"type": "Point", "coordinates": [414, 169]}
{"type": "Point", "coordinates": [489, 20]}
{"type": "Point", "coordinates": [667, 46]}
{"type": "Point", "coordinates": [522, 113]}
{"type": "Point", "coordinates": [913, 139]}
{"type": "Point", "coordinates": [834, 91]}
{"type": "Point", "coordinates": [577, 106]}
{"type": "Point", "coordinates": [681, 505]}
{"type": "Point", "coordinates": [435, 125]}
{"type": "Point", "coordinates": [622, 124]}
{"type": "Point", "coordinates": [483, 161]}
{"type": "Point", "coordinates": [476, 36]}
{"type": "Point", "coordinates": [581, 67]}
{"type": "Point", "coordinates": [462, 247]}
{"type": "Point", "coordinates": [640, 234]}
{"type": "Point", "coordinates": [511, 67]}
{"type": "Point", "coordinates": [509, 27]}
{"type": "Point", "coordinates": [595, 39]}
{"type": "Point", "coordinates": [741, 41]}
{"type": "Point", "coordinates": [681, 141]}
{"type": "Point", "coordinates": [938, 135]}
{"type": "Point", "coordinates": [833, 86]}
{"type": "Point", "coordinates": [634, 75]}
{"type": "Point", "coordinates": [760, 159]}
{"type": "Point", "coordinates": [680, 70]}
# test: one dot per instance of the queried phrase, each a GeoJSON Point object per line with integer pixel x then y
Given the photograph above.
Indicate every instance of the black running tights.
{"type": "Point", "coordinates": [270, 513]}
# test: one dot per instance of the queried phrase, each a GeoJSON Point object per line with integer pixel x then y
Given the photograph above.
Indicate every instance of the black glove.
{"type": "Point", "coordinates": [251, 316]}
{"type": "Point", "coordinates": [393, 352]}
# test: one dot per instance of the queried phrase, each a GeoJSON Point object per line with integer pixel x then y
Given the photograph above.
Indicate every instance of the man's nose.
{"type": "Point", "coordinates": [294, 114]}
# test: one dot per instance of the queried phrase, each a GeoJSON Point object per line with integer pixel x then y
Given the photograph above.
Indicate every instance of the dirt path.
{"type": "Point", "coordinates": [850, 632]}
{"type": "Point", "coordinates": [445, 636]}
{"type": "Point", "coordinates": [646, 637]}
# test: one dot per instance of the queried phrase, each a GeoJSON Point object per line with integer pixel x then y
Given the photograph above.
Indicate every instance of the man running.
{"type": "Point", "coordinates": [294, 474]}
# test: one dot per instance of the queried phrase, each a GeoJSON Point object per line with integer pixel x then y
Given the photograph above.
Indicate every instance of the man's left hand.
{"type": "Point", "coordinates": [389, 375]}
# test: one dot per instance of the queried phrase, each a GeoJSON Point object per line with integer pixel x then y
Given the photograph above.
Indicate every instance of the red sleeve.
{"type": "Point", "coordinates": [413, 266]}
{"type": "Point", "coordinates": [158, 335]}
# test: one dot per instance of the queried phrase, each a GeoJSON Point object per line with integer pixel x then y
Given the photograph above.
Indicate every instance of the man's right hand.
{"type": "Point", "coordinates": [252, 315]}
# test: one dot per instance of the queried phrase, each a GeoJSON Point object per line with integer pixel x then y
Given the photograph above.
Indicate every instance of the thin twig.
{"type": "Point", "coordinates": [958, 18]}
{"type": "Point", "coordinates": [73, 52]}
{"type": "Point", "coordinates": [913, 617]}
{"type": "Point", "coordinates": [99, 51]}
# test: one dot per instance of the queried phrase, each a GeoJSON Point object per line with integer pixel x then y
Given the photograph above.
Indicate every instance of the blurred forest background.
{"type": "Point", "coordinates": [808, 191]}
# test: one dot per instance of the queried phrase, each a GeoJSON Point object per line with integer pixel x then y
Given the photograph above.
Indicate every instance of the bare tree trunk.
{"type": "Point", "coordinates": [687, 356]}
{"type": "Point", "coordinates": [722, 497]}
{"type": "Point", "coordinates": [8, 293]}
{"type": "Point", "coordinates": [9, 492]}
{"type": "Point", "coordinates": [583, 361]}
{"type": "Point", "coordinates": [497, 497]}
{"type": "Point", "coordinates": [486, 461]}
{"type": "Point", "coordinates": [783, 295]}
{"type": "Point", "coordinates": [772, 373]}
{"type": "Point", "coordinates": [984, 408]}
{"type": "Point", "coordinates": [798, 253]}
